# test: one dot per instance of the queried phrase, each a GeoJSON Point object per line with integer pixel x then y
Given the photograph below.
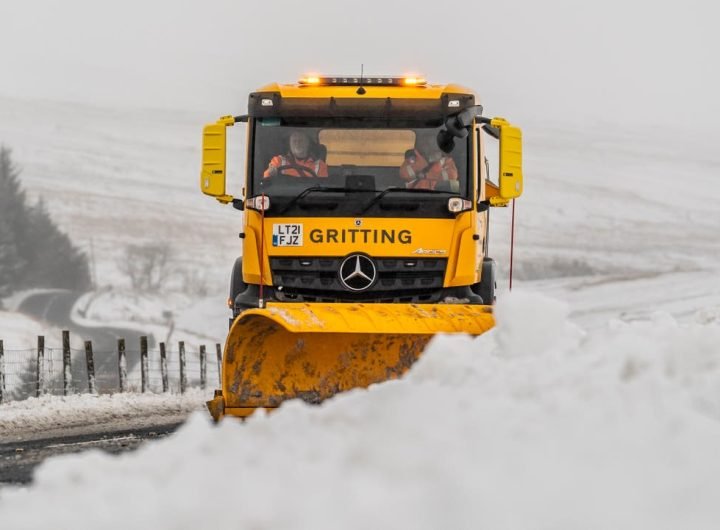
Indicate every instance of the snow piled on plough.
{"type": "Point", "coordinates": [536, 424]}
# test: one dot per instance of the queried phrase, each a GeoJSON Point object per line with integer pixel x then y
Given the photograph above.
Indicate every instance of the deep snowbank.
{"type": "Point", "coordinates": [534, 425]}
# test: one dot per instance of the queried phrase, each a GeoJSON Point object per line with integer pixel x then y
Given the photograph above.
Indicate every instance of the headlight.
{"type": "Point", "coordinates": [260, 203]}
{"type": "Point", "coordinates": [457, 205]}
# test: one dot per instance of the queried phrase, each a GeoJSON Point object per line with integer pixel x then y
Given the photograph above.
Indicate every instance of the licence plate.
{"type": "Point", "coordinates": [287, 235]}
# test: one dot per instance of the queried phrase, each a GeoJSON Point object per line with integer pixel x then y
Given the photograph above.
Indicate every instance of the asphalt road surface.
{"type": "Point", "coordinates": [18, 459]}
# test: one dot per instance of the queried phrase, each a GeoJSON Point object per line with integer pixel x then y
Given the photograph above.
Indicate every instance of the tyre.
{"type": "Point", "coordinates": [237, 285]}
{"type": "Point", "coordinates": [486, 287]}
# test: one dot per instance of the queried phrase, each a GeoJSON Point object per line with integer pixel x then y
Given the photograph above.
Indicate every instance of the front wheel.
{"type": "Point", "coordinates": [486, 287]}
{"type": "Point", "coordinates": [237, 285]}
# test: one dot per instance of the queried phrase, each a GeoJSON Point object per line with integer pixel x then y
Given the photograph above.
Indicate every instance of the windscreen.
{"type": "Point", "coordinates": [344, 167]}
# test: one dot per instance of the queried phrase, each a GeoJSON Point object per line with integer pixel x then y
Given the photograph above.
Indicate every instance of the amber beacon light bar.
{"type": "Point", "coordinates": [344, 80]}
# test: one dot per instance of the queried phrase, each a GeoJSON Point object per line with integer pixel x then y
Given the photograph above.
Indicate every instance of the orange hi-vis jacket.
{"type": "Point", "coordinates": [418, 173]}
{"type": "Point", "coordinates": [318, 166]}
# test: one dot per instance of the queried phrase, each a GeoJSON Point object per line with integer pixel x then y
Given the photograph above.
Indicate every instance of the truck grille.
{"type": "Point", "coordinates": [413, 280]}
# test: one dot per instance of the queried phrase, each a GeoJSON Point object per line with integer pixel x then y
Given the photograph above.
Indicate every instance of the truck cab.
{"type": "Point", "coordinates": [389, 202]}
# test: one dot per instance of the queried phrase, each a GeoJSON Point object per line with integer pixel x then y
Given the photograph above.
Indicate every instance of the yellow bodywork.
{"type": "Point", "coordinates": [314, 351]}
{"type": "Point", "coordinates": [451, 239]}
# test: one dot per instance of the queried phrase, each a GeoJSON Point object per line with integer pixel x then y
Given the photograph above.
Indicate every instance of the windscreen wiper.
{"type": "Point", "coordinates": [322, 189]}
{"type": "Point", "coordinates": [395, 189]}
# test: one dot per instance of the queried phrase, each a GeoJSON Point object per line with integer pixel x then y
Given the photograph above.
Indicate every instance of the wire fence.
{"type": "Point", "coordinates": [63, 371]}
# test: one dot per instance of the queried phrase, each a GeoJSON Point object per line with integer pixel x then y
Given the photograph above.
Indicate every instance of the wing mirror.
{"type": "Point", "coordinates": [510, 178]}
{"type": "Point", "coordinates": [214, 155]}
{"type": "Point", "coordinates": [457, 126]}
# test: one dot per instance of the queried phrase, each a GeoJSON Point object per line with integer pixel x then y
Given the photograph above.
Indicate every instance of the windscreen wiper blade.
{"type": "Point", "coordinates": [322, 189]}
{"type": "Point", "coordinates": [395, 189]}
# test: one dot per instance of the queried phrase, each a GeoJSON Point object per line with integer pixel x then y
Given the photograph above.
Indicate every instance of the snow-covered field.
{"type": "Point", "coordinates": [168, 317]}
{"type": "Point", "coordinates": [600, 410]}
{"type": "Point", "coordinates": [602, 204]}
{"type": "Point", "coordinates": [537, 424]}
{"type": "Point", "coordinates": [22, 332]}
{"type": "Point", "coordinates": [113, 178]}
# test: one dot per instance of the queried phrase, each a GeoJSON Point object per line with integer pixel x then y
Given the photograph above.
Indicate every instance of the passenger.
{"type": "Point", "coordinates": [298, 157]}
{"type": "Point", "coordinates": [426, 171]}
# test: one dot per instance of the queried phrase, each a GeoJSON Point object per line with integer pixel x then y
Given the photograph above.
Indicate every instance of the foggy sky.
{"type": "Point", "coordinates": [616, 61]}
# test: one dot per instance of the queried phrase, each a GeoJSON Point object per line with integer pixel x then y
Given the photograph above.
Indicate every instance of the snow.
{"type": "Point", "coordinates": [536, 424]}
{"type": "Point", "coordinates": [167, 316]}
{"type": "Point", "coordinates": [594, 404]}
{"type": "Point", "coordinates": [35, 416]}
{"type": "Point", "coordinates": [21, 332]}
{"type": "Point", "coordinates": [114, 178]}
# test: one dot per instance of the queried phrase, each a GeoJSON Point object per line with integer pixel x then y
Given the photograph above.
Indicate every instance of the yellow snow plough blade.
{"type": "Point", "coordinates": [313, 351]}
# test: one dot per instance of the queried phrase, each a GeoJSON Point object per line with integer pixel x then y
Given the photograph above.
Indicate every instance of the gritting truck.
{"type": "Point", "coordinates": [360, 247]}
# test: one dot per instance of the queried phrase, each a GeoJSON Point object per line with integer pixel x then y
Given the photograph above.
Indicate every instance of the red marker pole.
{"type": "Point", "coordinates": [512, 242]}
{"type": "Point", "coordinates": [261, 301]}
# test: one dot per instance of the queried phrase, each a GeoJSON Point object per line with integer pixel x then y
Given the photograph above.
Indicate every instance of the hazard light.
{"type": "Point", "coordinates": [414, 81]}
{"type": "Point", "coordinates": [310, 80]}
{"type": "Point", "coordinates": [347, 80]}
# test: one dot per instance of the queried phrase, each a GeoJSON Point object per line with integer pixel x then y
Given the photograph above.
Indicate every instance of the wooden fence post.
{"type": "Point", "coordinates": [144, 363]}
{"type": "Point", "coordinates": [40, 381]}
{"type": "Point", "coordinates": [183, 374]}
{"type": "Point", "coordinates": [203, 367]}
{"type": "Point", "coordinates": [218, 352]}
{"type": "Point", "coordinates": [67, 374]}
{"type": "Point", "coordinates": [122, 365]}
{"type": "Point", "coordinates": [2, 371]}
{"type": "Point", "coordinates": [163, 368]}
{"type": "Point", "coordinates": [90, 362]}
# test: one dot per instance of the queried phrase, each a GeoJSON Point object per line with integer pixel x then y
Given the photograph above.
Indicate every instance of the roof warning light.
{"type": "Point", "coordinates": [346, 80]}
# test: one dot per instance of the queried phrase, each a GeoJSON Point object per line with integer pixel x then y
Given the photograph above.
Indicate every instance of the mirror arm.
{"type": "Point", "coordinates": [227, 121]}
{"type": "Point", "coordinates": [492, 131]}
{"type": "Point", "coordinates": [498, 201]}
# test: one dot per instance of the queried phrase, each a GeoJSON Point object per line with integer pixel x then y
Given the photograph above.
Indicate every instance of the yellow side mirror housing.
{"type": "Point", "coordinates": [510, 177]}
{"type": "Point", "coordinates": [214, 156]}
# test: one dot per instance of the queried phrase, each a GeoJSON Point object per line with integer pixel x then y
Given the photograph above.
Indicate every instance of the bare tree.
{"type": "Point", "coordinates": [147, 266]}
{"type": "Point", "coordinates": [194, 282]}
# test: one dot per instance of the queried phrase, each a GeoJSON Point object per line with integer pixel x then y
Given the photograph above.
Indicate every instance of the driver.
{"type": "Point", "coordinates": [296, 159]}
{"type": "Point", "coordinates": [426, 165]}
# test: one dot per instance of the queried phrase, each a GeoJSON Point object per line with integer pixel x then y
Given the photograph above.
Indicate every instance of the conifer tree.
{"type": "Point", "coordinates": [9, 260]}
{"type": "Point", "coordinates": [11, 202]}
{"type": "Point", "coordinates": [33, 250]}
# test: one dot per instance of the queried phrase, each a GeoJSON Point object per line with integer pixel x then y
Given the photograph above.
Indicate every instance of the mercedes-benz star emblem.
{"type": "Point", "coordinates": [357, 272]}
